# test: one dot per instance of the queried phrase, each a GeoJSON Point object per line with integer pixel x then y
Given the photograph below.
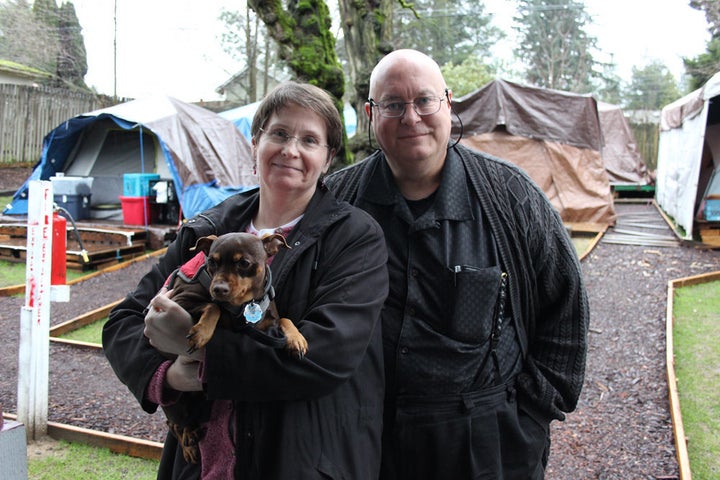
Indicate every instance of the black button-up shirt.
{"type": "Point", "coordinates": [444, 282]}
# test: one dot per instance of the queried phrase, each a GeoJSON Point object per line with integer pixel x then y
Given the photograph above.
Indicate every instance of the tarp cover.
{"type": "Point", "coordinates": [243, 116]}
{"type": "Point", "coordinates": [688, 165]}
{"type": "Point", "coordinates": [554, 136]}
{"type": "Point", "coordinates": [620, 155]}
{"type": "Point", "coordinates": [206, 156]}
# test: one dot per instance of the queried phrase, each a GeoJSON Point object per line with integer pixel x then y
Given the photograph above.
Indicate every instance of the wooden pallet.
{"type": "Point", "coordinates": [103, 245]}
{"type": "Point", "coordinates": [710, 234]}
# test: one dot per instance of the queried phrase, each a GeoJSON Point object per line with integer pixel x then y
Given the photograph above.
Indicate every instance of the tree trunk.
{"type": "Point", "coordinates": [306, 44]}
{"type": "Point", "coordinates": [367, 26]}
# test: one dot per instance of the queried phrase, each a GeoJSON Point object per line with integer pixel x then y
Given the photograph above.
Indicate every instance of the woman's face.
{"type": "Point", "coordinates": [291, 151]}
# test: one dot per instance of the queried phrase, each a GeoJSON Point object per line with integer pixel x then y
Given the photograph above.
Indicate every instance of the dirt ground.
{"type": "Point", "coordinates": [12, 178]}
{"type": "Point", "coordinates": [620, 430]}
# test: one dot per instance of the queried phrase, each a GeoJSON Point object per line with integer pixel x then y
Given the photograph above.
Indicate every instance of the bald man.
{"type": "Point", "coordinates": [485, 325]}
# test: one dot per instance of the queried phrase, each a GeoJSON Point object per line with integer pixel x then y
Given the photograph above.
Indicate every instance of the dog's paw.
{"type": "Point", "coordinates": [297, 345]}
{"type": "Point", "coordinates": [197, 338]}
{"type": "Point", "coordinates": [189, 444]}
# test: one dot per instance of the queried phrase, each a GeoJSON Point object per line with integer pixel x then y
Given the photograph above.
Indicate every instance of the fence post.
{"type": "Point", "coordinates": [34, 349]}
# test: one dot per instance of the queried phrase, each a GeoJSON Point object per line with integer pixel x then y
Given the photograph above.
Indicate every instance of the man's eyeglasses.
{"type": "Point", "coordinates": [308, 143]}
{"type": "Point", "coordinates": [394, 109]}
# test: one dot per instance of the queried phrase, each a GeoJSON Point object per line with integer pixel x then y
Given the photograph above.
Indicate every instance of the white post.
{"type": "Point", "coordinates": [34, 349]}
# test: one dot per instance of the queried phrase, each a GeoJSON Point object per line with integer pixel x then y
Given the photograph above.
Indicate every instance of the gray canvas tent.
{"type": "Point", "coordinates": [620, 154]}
{"type": "Point", "coordinates": [554, 136]}
{"type": "Point", "coordinates": [204, 155]}
{"type": "Point", "coordinates": [688, 165]}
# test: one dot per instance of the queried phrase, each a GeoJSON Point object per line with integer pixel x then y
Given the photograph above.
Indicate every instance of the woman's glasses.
{"type": "Point", "coordinates": [308, 143]}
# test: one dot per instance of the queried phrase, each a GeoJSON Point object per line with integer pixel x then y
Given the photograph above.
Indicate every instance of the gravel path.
{"type": "Point", "coordinates": [621, 429]}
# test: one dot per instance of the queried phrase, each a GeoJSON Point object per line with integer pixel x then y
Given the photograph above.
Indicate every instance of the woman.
{"type": "Point", "coordinates": [282, 417]}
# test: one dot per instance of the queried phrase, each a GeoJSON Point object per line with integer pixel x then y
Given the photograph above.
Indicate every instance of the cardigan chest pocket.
{"type": "Point", "coordinates": [472, 302]}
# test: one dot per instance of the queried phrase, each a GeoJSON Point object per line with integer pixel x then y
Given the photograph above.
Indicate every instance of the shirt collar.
{"type": "Point", "coordinates": [452, 201]}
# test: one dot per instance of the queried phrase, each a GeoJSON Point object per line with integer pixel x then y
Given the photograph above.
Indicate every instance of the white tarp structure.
{"type": "Point", "coordinates": [689, 154]}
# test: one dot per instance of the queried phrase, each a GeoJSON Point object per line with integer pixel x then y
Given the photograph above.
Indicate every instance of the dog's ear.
{"type": "Point", "coordinates": [273, 242]}
{"type": "Point", "coordinates": [203, 244]}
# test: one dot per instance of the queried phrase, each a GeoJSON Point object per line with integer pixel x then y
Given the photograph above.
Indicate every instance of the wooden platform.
{"type": "Point", "coordinates": [103, 244]}
{"type": "Point", "coordinates": [710, 233]}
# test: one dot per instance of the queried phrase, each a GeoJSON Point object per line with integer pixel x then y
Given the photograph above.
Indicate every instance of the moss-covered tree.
{"type": "Point", "coordinates": [302, 30]}
{"type": "Point", "coordinates": [367, 29]}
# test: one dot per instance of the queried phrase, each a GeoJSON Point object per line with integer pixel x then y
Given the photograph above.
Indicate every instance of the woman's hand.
{"type": "Point", "coordinates": [183, 375]}
{"type": "Point", "coordinates": [167, 325]}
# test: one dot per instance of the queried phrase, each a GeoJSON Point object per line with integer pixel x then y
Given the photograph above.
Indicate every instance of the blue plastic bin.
{"type": "Point", "coordinates": [138, 184]}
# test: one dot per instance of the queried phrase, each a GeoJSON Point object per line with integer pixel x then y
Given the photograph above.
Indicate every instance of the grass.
{"type": "Point", "coordinates": [70, 461]}
{"type": "Point", "coordinates": [4, 201]}
{"type": "Point", "coordinates": [89, 333]}
{"type": "Point", "coordinates": [581, 243]}
{"type": "Point", "coordinates": [14, 273]}
{"type": "Point", "coordinates": [696, 310]}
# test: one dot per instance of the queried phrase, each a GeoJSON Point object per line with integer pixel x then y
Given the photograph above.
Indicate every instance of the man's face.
{"type": "Point", "coordinates": [411, 139]}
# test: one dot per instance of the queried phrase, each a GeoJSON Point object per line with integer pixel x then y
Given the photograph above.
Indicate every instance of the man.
{"type": "Point", "coordinates": [486, 321]}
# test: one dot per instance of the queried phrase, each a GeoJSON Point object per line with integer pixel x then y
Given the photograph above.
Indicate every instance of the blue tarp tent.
{"type": "Point", "coordinates": [242, 118]}
{"type": "Point", "coordinates": [204, 155]}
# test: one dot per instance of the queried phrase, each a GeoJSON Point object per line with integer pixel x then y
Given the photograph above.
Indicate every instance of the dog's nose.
{"type": "Point", "coordinates": [221, 290]}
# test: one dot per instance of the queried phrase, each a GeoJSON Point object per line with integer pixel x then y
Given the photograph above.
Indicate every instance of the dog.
{"type": "Point", "coordinates": [232, 289]}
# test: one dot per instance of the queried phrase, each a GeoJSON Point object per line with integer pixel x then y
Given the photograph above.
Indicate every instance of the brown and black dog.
{"type": "Point", "coordinates": [235, 289]}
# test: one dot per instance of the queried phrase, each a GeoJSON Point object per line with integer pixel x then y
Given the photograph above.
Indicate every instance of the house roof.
{"type": "Point", "coordinates": [23, 71]}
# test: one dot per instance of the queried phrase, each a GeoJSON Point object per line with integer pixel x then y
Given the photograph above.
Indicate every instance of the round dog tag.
{"type": "Point", "coordinates": [253, 312]}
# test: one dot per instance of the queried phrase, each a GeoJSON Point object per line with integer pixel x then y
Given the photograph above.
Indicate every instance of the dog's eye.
{"type": "Point", "coordinates": [243, 264]}
{"type": "Point", "coordinates": [211, 264]}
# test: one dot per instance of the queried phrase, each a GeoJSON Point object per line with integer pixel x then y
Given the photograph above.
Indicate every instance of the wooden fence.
{"type": "Point", "coordinates": [28, 113]}
{"type": "Point", "coordinates": [645, 126]}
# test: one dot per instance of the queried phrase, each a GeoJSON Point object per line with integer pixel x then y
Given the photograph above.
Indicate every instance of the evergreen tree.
{"type": "Point", "coordinates": [705, 65]}
{"type": "Point", "coordinates": [651, 87]}
{"type": "Point", "coordinates": [46, 12]}
{"type": "Point", "coordinates": [608, 84]}
{"type": "Point", "coordinates": [72, 58]}
{"type": "Point", "coordinates": [554, 46]}
{"type": "Point", "coordinates": [712, 14]}
{"type": "Point", "coordinates": [25, 39]}
{"type": "Point", "coordinates": [467, 77]}
{"type": "Point", "coordinates": [448, 31]}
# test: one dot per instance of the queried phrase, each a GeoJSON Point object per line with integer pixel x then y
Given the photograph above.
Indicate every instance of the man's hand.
{"type": "Point", "coordinates": [183, 375]}
{"type": "Point", "coordinates": [167, 325]}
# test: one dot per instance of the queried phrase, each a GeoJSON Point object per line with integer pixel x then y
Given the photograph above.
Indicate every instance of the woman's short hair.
{"type": "Point", "coordinates": [306, 96]}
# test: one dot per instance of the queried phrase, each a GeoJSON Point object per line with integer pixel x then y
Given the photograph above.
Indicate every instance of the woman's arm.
{"type": "Point", "coordinates": [338, 316]}
{"type": "Point", "coordinates": [133, 359]}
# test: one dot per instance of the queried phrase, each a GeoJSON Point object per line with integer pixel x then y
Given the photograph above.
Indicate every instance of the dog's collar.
{"type": "Point", "coordinates": [254, 310]}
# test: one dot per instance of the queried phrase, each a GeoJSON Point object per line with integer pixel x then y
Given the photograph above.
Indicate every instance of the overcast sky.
{"type": "Point", "coordinates": [172, 47]}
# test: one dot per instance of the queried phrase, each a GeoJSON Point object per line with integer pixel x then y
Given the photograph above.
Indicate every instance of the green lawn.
{"type": "Point", "coordinates": [696, 331]}
{"type": "Point", "coordinates": [89, 333]}
{"type": "Point", "coordinates": [581, 243]}
{"type": "Point", "coordinates": [71, 461]}
{"type": "Point", "coordinates": [13, 273]}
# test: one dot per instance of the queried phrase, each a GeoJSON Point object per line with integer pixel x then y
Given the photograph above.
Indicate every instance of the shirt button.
{"type": "Point", "coordinates": [414, 272]}
{"type": "Point", "coordinates": [404, 350]}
